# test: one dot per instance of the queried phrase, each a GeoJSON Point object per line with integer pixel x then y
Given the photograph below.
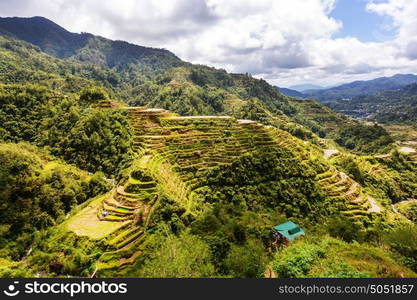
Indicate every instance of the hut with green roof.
{"type": "Point", "coordinates": [287, 232]}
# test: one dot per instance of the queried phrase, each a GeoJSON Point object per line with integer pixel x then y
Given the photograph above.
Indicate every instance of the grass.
{"type": "Point", "coordinates": [86, 223]}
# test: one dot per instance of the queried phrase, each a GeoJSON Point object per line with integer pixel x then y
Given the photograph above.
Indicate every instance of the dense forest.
{"type": "Point", "coordinates": [121, 160]}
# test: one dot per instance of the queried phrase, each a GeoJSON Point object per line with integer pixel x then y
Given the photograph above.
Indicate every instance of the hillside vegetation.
{"type": "Point", "coordinates": [120, 160]}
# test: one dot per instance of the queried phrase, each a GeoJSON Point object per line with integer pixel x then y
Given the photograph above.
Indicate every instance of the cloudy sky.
{"type": "Point", "coordinates": [286, 42]}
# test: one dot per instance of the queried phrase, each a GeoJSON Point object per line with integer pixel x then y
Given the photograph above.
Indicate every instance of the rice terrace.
{"type": "Point", "coordinates": [272, 140]}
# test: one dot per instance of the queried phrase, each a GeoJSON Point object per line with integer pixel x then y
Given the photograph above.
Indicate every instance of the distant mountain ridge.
{"type": "Point", "coordinates": [368, 87]}
{"type": "Point", "coordinates": [50, 37]}
{"type": "Point", "coordinates": [391, 107]}
{"type": "Point", "coordinates": [290, 92]}
{"type": "Point", "coordinates": [305, 87]}
{"type": "Point", "coordinates": [57, 41]}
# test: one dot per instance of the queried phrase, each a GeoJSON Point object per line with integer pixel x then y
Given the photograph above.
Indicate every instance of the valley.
{"type": "Point", "coordinates": [118, 160]}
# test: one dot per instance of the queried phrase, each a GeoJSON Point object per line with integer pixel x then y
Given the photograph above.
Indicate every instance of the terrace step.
{"type": "Point", "coordinates": [111, 218]}
{"type": "Point", "coordinates": [116, 204]}
{"type": "Point", "coordinates": [116, 211]}
{"type": "Point", "coordinates": [130, 239]}
{"type": "Point", "coordinates": [124, 235]}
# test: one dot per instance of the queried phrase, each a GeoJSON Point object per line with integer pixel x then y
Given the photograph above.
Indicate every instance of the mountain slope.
{"type": "Point", "coordinates": [191, 195]}
{"type": "Point", "coordinates": [188, 90]}
{"type": "Point", "coordinates": [228, 181]}
{"type": "Point", "coordinates": [369, 87]}
{"type": "Point", "coordinates": [290, 92]}
{"type": "Point", "coordinates": [45, 34]}
{"type": "Point", "coordinates": [85, 47]}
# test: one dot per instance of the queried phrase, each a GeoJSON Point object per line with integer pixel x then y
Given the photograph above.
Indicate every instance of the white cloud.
{"type": "Point", "coordinates": [284, 41]}
{"type": "Point", "coordinates": [404, 14]}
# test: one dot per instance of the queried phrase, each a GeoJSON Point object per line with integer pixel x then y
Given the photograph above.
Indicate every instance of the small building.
{"type": "Point", "coordinates": [287, 232]}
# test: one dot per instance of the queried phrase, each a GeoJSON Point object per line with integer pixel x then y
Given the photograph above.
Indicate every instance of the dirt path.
{"type": "Point", "coordinates": [329, 152]}
{"type": "Point", "coordinates": [407, 201]}
{"type": "Point", "coordinates": [343, 176]}
{"type": "Point", "coordinates": [375, 208]}
{"type": "Point", "coordinates": [402, 202]}
{"type": "Point", "coordinates": [406, 150]}
{"type": "Point", "coordinates": [398, 213]}
{"type": "Point", "coordinates": [352, 189]}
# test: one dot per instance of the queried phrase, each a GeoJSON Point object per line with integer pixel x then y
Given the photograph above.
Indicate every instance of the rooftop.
{"type": "Point", "coordinates": [289, 230]}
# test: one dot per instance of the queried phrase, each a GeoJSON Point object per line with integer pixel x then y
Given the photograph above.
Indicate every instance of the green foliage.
{"type": "Point", "coordinates": [410, 211]}
{"type": "Point", "coordinates": [21, 62]}
{"type": "Point", "coordinates": [245, 261]}
{"type": "Point", "coordinates": [398, 179]}
{"type": "Point", "coordinates": [322, 256]}
{"type": "Point", "coordinates": [236, 237]}
{"type": "Point", "coordinates": [259, 181]}
{"type": "Point", "coordinates": [92, 139]}
{"type": "Point", "coordinates": [402, 239]}
{"type": "Point", "coordinates": [338, 268]}
{"type": "Point", "coordinates": [10, 269]}
{"type": "Point", "coordinates": [364, 138]}
{"type": "Point", "coordinates": [99, 141]}
{"type": "Point", "coordinates": [92, 95]}
{"type": "Point", "coordinates": [351, 167]}
{"type": "Point", "coordinates": [36, 195]}
{"type": "Point", "coordinates": [179, 257]}
{"type": "Point", "coordinates": [98, 183]}
{"type": "Point", "coordinates": [170, 214]}
{"type": "Point", "coordinates": [297, 261]}
{"type": "Point", "coordinates": [22, 110]}
{"type": "Point", "coordinates": [344, 228]}
{"type": "Point", "coordinates": [319, 119]}
{"type": "Point", "coordinates": [59, 252]}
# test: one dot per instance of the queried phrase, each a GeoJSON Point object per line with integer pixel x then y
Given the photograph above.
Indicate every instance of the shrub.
{"type": "Point", "coordinates": [340, 269]}
{"type": "Point", "coordinates": [99, 141]}
{"type": "Point", "coordinates": [245, 261]}
{"type": "Point", "coordinates": [35, 194]}
{"type": "Point", "coordinates": [179, 257]}
{"type": "Point", "coordinates": [342, 227]}
{"type": "Point", "coordinates": [296, 260]}
{"type": "Point", "coordinates": [402, 238]}
{"type": "Point", "coordinates": [93, 94]}
{"type": "Point", "coordinates": [409, 210]}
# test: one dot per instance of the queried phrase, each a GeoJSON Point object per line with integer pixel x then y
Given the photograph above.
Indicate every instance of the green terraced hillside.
{"type": "Point", "coordinates": [174, 156]}
{"type": "Point", "coordinates": [123, 161]}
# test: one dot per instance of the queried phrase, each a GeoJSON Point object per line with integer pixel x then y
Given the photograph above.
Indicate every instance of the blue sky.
{"type": "Point", "coordinates": [362, 24]}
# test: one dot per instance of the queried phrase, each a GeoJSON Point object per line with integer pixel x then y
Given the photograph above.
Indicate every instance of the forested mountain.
{"type": "Point", "coordinates": [356, 88]}
{"type": "Point", "coordinates": [188, 89]}
{"type": "Point", "coordinates": [121, 160]}
{"type": "Point", "coordinates": [45, 34]}
{"type": "Point", "coordinates": [390, 107]}
{"type": "Point", "coordinates": [117, 55]}
{"type": "Point", "coordinates": [291, 93]}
